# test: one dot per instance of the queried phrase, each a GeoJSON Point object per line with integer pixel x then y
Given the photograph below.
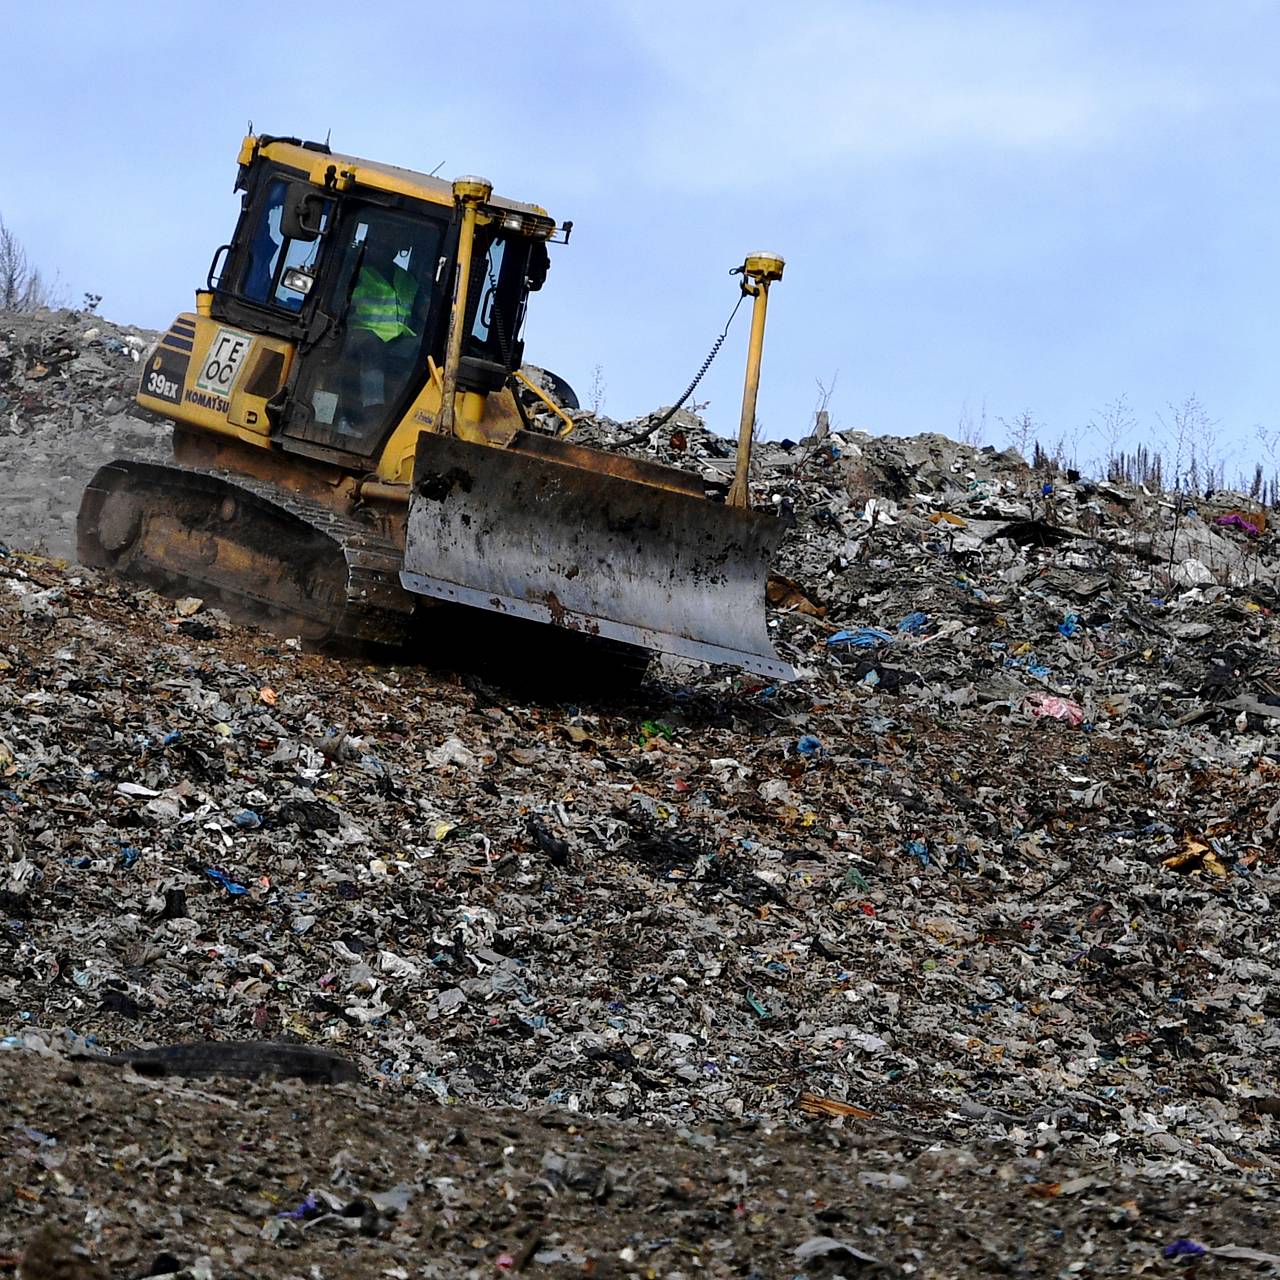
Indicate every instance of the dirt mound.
{"type": "Point", "coordinates": [67, 382]}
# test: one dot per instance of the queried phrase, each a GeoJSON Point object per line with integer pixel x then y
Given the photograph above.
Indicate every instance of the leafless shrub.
{"type": "Point", "coordinates": [1112, 426]}
{"type": "Point", "coordinates": [596, 394]}
{"type": "Point", "coordinates": [972, 430]}
{"type": "Point", "coordinates": [1184, 428]}
{"type": "Point", "coordinates": [825, 391]}
{"type": "Point", "coordinates": [1269, 439]}
{"type": "Point", "coordinates": [22, 287]}
{"type": "Point", "coordinates": [1020, 432]}
{"type": "Point", "coordinates": [1058, 458]}
{"type": "Point", "coordinates": [1066, 452]}
{"type": "Point", "coordinates": [1192, 464]}
{"type": "Point", "coordinates": [1199, 464]}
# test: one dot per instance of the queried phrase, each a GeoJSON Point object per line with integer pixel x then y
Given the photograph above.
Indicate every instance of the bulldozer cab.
{"type": "Point", "coordinates": [363, 287]}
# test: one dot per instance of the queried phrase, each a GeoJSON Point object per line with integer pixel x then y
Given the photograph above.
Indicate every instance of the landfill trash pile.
{"type": "Point", "coordinates": [67, 381]}
{"type": "Point", "coordinates": [994, 876]}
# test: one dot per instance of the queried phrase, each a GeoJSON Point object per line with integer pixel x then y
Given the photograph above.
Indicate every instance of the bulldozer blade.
{"type": "Point", "coordinates": [592, 542]}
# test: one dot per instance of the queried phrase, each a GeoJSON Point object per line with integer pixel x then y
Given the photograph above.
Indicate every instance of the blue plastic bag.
{"type": "Point", "coordinates": [862, 638]}
{"type": "Point", "coordinates": [221, 877]}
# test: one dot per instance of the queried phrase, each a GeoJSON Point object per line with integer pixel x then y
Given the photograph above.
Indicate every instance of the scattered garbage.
{"type": "Point", "coordinates": [220, 877]}
{"type": "Point", "coordinates": [1252, 527]}
{"type": "Point", "coordinates": [997, 871]}
{"type": "Point", "coordinates": [828, 1247]}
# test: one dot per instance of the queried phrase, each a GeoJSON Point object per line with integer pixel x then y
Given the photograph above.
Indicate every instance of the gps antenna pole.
{"type": "Point", "coordinates": [758, 272]}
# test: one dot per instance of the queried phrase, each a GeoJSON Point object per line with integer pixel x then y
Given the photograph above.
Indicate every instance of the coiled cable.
{"type": "Point", "coordinates": [641, 436]}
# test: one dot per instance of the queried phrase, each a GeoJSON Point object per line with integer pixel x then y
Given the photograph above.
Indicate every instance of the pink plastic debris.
{"type": "Point", "coordinates": [1048, 704]}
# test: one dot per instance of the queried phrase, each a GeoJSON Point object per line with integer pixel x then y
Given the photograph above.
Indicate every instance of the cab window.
{"type": "Point", "coordinates": [500, 293]}
{"type": "Point", "coordinates": [355, 383]}
{"type": "Point", "coordinates": [271, 256]}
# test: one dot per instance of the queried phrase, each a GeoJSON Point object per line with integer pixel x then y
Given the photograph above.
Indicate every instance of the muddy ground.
{"type": "Point", "coordinates": [282, 1180]}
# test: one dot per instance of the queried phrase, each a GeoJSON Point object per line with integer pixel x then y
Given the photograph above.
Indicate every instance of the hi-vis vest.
{"type": "Point", "coordinates": [383, 308]}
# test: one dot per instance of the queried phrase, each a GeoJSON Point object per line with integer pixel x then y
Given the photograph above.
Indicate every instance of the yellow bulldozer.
{"type": "Point", "coordinates": [352, 444]}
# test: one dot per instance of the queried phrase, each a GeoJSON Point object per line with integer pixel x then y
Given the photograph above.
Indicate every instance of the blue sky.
{"type": "Point", "coordinates": [1024, 206]}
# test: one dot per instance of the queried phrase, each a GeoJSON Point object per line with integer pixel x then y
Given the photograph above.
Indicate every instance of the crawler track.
{"type": "Point", "coordinates": [264, 554]}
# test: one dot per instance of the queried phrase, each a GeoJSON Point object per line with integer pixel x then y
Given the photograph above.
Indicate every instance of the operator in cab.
{"type": "Point", "coordinates": [380, 319]}
{"type": "Point", "coordinates": [385, 293]}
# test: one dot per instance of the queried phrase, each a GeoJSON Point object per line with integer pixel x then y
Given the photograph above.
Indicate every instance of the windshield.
{"type": "Point", "coordinates": [272, 257]}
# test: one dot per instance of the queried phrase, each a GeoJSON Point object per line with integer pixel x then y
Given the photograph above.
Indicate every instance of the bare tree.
{"type": "Point", "coordinates": [1198, 462]}
{"type": "Point", "coordinates": [1021, 431]}
{"type": "Point", "coordinates": [1269, 438]}
{"type": "Point", "coordinates": [1113, 425]}
{"type": "Point", "coordinates": [1193, 435]}
{"type": "Point", "coordinates": [22, 288]}
{"type": "Point", "coordinates": [597, 391]}
{"type": "Point", "coordinates": [825, 391]}
{"type": "Point", "coordinates": [1139, 467]}
{"type": "Point", "coordinates": [1066, 453]}
{"type": "Point", "coordinates": [972, 430]}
